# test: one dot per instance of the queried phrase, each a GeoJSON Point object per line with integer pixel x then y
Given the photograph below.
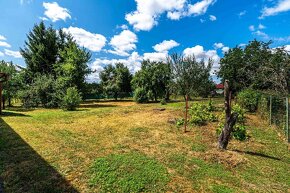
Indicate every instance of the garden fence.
{"type": "Point", "coordinates": [275, 109]}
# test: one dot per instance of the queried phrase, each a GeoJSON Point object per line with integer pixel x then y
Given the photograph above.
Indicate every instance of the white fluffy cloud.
{"type": "Point", "coordinates": [165, 46]}
{"type": "Point", "coordinates": [287, 47]}
{"type": "Point", "coordinates": [91, 41]}
{"type": "Point", "coordinates": [54, 12]}
{"type": "Point", "coordinates": [148, 11]}
{"type": "Point", "coordinates": [155, 56]}
{"type": "Point", "coordinates": [14, 54]}
{"type": "Point", "coordinates": [201, 54]}
{"type": "Point", "coordinates": [4, 44]}
{"type": "Point", "coordinates": [2, 37]}
{"type": "Point", "coordinates": [212, 18]}
{"type": "Point", "coordinates": [200, 7]}
{"type": "Point", "coordinates": [281, 6]}
{"type": "Point", "coordinates": [252, 28]}
{"type": "Point", "coordinates": [225, 49]}
{"type": "Point", "coordinates": [1, 54]}
{"type": "Point", "coordinates": [218, 45]}
{"type": "Point", "coordinates": [123, 43]}
{"type": "Point", "coordinates": [133, 62]}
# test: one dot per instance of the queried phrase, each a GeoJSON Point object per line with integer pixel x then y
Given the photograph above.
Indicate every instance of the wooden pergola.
{"type": "Point", "coordinates": [3, 78]}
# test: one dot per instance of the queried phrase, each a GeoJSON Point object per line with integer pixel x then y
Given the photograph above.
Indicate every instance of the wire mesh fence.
{"type": "Point", "coordinates": [275, 109]}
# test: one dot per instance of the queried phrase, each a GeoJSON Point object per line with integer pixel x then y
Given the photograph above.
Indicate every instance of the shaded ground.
{"type": "Point", "coordinates": [48, 150]}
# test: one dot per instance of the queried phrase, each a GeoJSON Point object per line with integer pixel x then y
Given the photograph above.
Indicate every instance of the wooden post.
{"type": "Point", "coordinates": [186, 109]}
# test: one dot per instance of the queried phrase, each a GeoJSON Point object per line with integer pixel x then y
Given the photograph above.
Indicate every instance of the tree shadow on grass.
{"type": "Point", "coordinates": [13, 114]}
{"type": "Point", "coordinates": [257, 154]}
{"type": "Point", "coordinates": [23, 170]}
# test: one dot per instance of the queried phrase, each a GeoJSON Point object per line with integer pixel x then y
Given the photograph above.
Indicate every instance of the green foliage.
{"type": "Point", "coordinates": [72, 99]}
{"type": "Point", "coordinates": [249, 99]}
{"type": "Point", "coordinates": [56, 57]}
{"type": "Point", "coordinates": [44, 91]}
{"type": "Point", "coordinates": [140, 95]}
{"type": "Point", "coordinates": [179, 122]}
{"type": "Point", "coordinates": [200, 114]}
{"type": "Point", "coordinates": [116, 80]}
{"type": "Point", "coordinates": [190, 77]}
{"type": "Point", "coordinates": [256, 66]}
{"type": "Point", "coordinates": [210, 106]}
{"type": "Point", "coordinates": [131, 172]}
{"type": "Point", "coordinates": [154, 78]}
{"type": "Point", "coordinates": [239, 129]}
{"type": "Point", "coordinates": [163, 102]}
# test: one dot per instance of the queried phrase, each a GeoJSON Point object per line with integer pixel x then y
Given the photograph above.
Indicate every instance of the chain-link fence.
{"type": "Point", "coordinates": [275, 109]}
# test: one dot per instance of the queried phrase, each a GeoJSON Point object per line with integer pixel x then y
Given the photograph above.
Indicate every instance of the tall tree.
{"type": "Point", "coordinates": [115, 80]}
{"type": "Point", "coordinates": [154, 78]}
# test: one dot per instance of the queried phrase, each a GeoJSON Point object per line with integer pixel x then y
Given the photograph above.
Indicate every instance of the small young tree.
{"type": "Point", "coordinates": [187, 76]}
{"type": "Point", "coordinates": [72, 99]}
{"type": "Point", "coordinates": [230, 119]}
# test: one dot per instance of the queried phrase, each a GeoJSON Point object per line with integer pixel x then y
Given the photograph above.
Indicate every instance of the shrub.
{"type": "Point", "coordinates": [163, 102]}
{"type": "Point", "coordinates": [239, 130]}
{"type": "Point", "coordinates": [179, 122]}
{"type": "Point", "coordinates": [140, 95]}
{"type": "Point", "coordinates": [199, 114]}
{"type": "Point", "coordinates": [249, 99]}
{"type": "Point", "coordinates": [72, 99]}
{"type": "Point", "coordinates": [210, 106]}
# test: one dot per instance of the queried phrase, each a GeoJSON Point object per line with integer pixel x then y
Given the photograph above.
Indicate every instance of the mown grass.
{"type": "Point", "coordinates": [50, 150]}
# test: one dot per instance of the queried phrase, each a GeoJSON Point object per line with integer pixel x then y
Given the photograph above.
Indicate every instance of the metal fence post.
{"type": "Point", "coordinates": [287, 120]}
{"type": "Point", "coordinates": [270, 117]}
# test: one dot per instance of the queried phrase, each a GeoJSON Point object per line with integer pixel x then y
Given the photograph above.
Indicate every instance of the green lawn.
{"type": "Point", "coordinates": [109, 146]}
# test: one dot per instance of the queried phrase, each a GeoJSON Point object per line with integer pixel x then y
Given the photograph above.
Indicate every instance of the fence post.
{"type": "Point", "coordinates": [270, 118]}
{"type": "Point", "coordinates": [287, 120]}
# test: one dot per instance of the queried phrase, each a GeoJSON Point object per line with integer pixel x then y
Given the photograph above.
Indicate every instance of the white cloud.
{"type": "Point", "coordinates": [287, 48]}
{"type": "Point", "coordinates": [252, 28]}
{"type": "Point", "coordinates": [225, 49]}
{"type": "Point", "coordinates": [155, 56]}
{"type": "Point", "coordinates": [2, 37]}
{"type": "Point", "coordinates": [261, 34]}
{"type": "Point", "coordinates": [43, 18]}
{"type": "Point", "coordinates": [133, 62]}
{"type": "Point", "coordinates": [148, 11]}
{"type": "Point", "coordinates": [218, 45]}
{"type": "Point", "coordinates": [14, 54]}
{"type": "Point", "coordinates": [261, 26]}
{"type": "Point", "coordinates": [4, 44]}
{"type": "Point", "coordinates": [201, 54]}
{"type": "Point", "coordinates": [200, 7]}
{"type": "Point", "coordinates": [165, 46]}
{"type": "Point", "coordinates": [91, 41]}
{"type": "Point", "coordinates": [1, 54]}
{"type": "Point", "coordinates": [123, 43]}
{"type": "Point", "coordinates": [242, 13]}
{"type": "Point", "coordinates": [202, 20]}
{"type": "Point", "coordinates": [281, 6]}
{"type": "Point", "coordinates": [212, 18]}
{"type": "Point", "coordinates": [54, 12]}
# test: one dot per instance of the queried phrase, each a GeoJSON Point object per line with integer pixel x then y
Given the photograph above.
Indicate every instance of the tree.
{"type": "Point", "coordinates": [116, 80]}
{"type": "Point", "coordinates": [154, 78]}
{"type": "Point", "coordinates": [256, 66]}
{"type": "Point", "coordinates": [187, 76]}
{"type": "Point", "coordinates": [10, 87]}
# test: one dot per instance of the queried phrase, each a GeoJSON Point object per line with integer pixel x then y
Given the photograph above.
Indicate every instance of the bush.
{"type": "Point", "coordinates": [249, 99]}
{"type": "Point", "coordinates": [239, 130]}
{"type": "Point", "coordinates": [140, 95]}
{"type": "Point", "coordinates": [44, 90]}
{"type": "Point", "coordinates": [163, 102]}
{"type": "Point", "coordinates": [200, 114]}
{"type": "Point", "coordinates": [72, 99]}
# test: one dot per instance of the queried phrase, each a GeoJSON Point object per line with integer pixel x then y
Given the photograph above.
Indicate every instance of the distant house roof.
{"type": "Point", "coordinates": [219, 86]}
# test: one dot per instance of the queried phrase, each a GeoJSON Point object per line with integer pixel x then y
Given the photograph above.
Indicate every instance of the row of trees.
{"type": "Point", "coordinates": [257, 66]}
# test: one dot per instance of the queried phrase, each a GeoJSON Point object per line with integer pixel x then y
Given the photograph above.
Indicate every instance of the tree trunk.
{"type": "Point", "coordinates": [9, 102]}
{"type": "Point", "coordinates": [0, 98]}
{"type": "Point", "coordinates": [3, 102]}
{"type": "Point", "coordinates": [230, 119]}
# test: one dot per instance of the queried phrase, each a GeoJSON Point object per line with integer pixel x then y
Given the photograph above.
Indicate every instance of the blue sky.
{"type": "Point", "coordinates": [129, 31]}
